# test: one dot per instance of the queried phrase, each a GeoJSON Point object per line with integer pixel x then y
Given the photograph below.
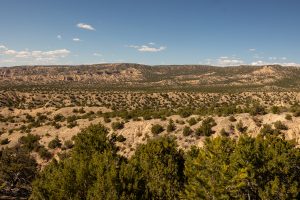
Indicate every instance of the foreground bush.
{"type": "Point", "coordinates": [17, 170]}
{"type": "Point", "coordinates": [95, 171]}
{"type": "Point", "coordinates": [266, 167]}
{"type": "Point", "coordinates": [250, 168]}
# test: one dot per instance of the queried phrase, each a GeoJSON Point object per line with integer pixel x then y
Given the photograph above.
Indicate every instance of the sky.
{"type": "Point", "coordinates": [153, 32]}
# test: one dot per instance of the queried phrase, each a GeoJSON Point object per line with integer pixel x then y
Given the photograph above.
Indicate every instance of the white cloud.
{"type": "Point", "coordinates": [59, 37]}
{"type": "Point", "coordinates": [223, 57]}
{"type": "Point", "coordinates": [261, 62]}
{"type": "Point", "coordinates": [76, 40]}
{"type": "Point", "coordinates": [272, 58]}
{"type": "Point", "coordinates": [151, 43]}
{"type": "Point", "coordinates": [146, 48]}
{"type": "Point", "coordinates": [252, 50]}
{"type": "Point", "coordinates": [32, 57]}
{"type": "Point", "coordinates": [133, 46]}
{"type": "Point", "coordinates": [291, 64]}
{"type": "Point", "coordinates": [9, 52]}
{"type": "Point", "coordinates": [85, 26]}
{"type": "Point", "coordinates": [2, 47]}
{"type": "Point", "coordinates": [227, 61]}
{"type": "Point", "coordinates": [258, 56]}
{"type": "Point", "coordinates": [97, 54]}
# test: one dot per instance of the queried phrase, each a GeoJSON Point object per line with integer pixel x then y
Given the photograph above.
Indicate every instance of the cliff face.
{"type": "Point", "coordinates": [143, 75]}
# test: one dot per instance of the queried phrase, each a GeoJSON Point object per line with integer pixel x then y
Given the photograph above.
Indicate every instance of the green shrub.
{"type": "Point", "coordinates": [267, 130]}
{"type": "Point", "coordinates": [157, 129]}
{"type": "Point", "coordinates": [17, 170]}
{"type": "Point", "coordinates": [58, 117]}
{"type": "Point", "coordinates": [275, 109]}
{"type": "Point", "coordinates": [192, 121]}
{"type": "Point", "coordinates": [68, 144]}
{"type": "Point", "coordinates": [280, 126]}
{"type": "Point", "coordinates": [206, 127]}
{"type": "Point", "coordinates": [171, 126]}
{"type": "Point", "coordinates": [71, 118]}
{"type": "Point", "coordinates": [30, 142]}
{"type": "Point", "coordinates": [55, 143]}
{"type": "Point", "coordinates": [253, 168]}
{"type": "Point", "coordinates": [184, 113]}
{"type": "Point", "coordinates": [240, 127]}
{"type": "Point", "coordinates": [288, 117]}
{"type": "Point", "coordinates": [72, 124]}
{"type": "Point", "coordinates": [44, 153]}
{"type": "Point", "coordinates": [106, 119]}
{"type": "Point", "coordinates": [257, 110]}
{"type": "Point", "coordinates": [81, 110]}
{"type": "Point", "coordinates": [224, 133]}
{"type": "Point", "coordinates": [187, 131]}
{"type": "Point", "coordinates": [117, 125]}
{"type": "Point", "coordinates": [121, 138]}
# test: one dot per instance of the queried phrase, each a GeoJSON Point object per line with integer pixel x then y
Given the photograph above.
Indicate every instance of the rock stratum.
{"type": "Point", "coordinates": [136, 75]}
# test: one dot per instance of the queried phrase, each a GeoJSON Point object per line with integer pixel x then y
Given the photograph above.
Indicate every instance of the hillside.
{"type": "Point", "coordinates": [166, 76]}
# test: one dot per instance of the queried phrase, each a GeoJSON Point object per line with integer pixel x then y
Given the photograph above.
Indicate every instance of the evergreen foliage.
{"type": "Point", "coordinates": [265, 167]}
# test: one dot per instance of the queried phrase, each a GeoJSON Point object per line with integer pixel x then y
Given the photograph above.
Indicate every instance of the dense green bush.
{"type": "Point", "coordinates": [185, 113]}
{"type": "Point", "coordinates": [117, 125]}
{"type": "Point", "coordinates": [275, 109]}
{"type": "Point", "coordinates": [68, 144]}
{"type": "Point", "coordinates": [155, 171]}
{"type": "Point", "coordinates": [157, 129]}
{"type": "Point", "coordinates": [44, 153]}
{"type": "Point", "coordinates": [121, 138]}
{"type": "Point", "coordinates": [58, 117]}
{"type": "Point", "coordinates": [72, 124]}
{"type": "Point", "coordinates": [257, 110]}
{"type": "Point", "coordinates": [192, 121]}
{"type": "Point", "coordinates": [171, 126]}
{"type": "Point", "coordinates": [30, 141]}
{"type": "Point", "coordinates": [17, 170]}
{"type": "Point", "coordinates": [250, 168]}
{"type": "Point", "coordinates": [206, 127]}
{"type": "Point", "coordinates": [187, 131]}
{"type": "Point", "coordinates": [295, 109]}
{"type": "Point", "coordinates": [268, 130]}
{"type": "Point", "coordinates": [224, 133]}
{"type": "Point", "coordinates": [55, 143]}
{"type": "Point", "coordinates": [280, 126]}
{"type": "Point", "coordinates": [266, 167]}
{"type": "Point", "coordinates": [288, 117]}
{"type": "Point", "coordinates": [240, 127]}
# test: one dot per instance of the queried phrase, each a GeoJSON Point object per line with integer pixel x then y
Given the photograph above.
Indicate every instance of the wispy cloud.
{"type": "Point", "coordinates": [147, 48]}
{"type": "Point", "coordinates": [97, 54]}
{"type": "Point", "coordinates": [32, 57]}
{"type": "Point", "coordinates": [76, 40]}
{"type": "Point", "coordinates": [86, 26]}
{"type": "Point", "coordinates": [2, 47]}
{"type": "Point", "coordinates": [59, 37]}
{"type": "Point", "coordinates": [229, 61]}
{"type": "Point", "coordinates": [261, 62]}
{"type": "Point", "coordinates": [252, 49]}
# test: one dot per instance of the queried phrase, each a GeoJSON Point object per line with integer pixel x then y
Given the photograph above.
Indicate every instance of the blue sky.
{"type": "Point", "coordinates": [215, 32]}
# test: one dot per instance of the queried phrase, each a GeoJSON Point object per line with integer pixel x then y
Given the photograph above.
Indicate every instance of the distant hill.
{"type": "Point", "coordinates": [163, 76]}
